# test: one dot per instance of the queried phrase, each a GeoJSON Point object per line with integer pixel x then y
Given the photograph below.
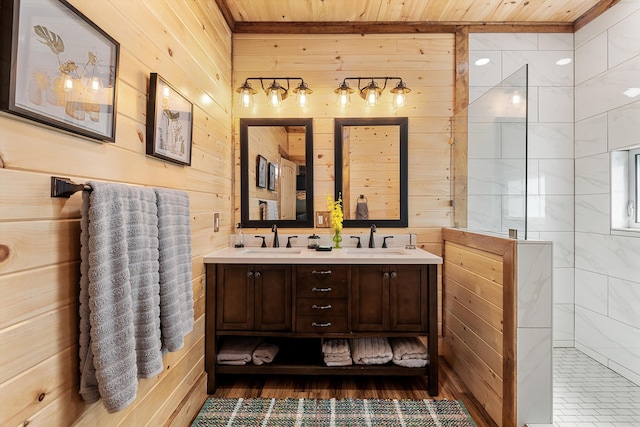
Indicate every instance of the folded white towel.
{"type": "Point", "coordinates": [411, 363]}
{"type": "Point", "coordinates": [237, 350]}
{"type": "Point", "coordinates": [264, 353]}
{"type": "Point", "coordinates": [339, 362]}
{"type": "Point", "coordinates": [336, 346]}
{"type": "Point", "coordinates": [408, 348]}
{"type": "Point", "coordinates": [371, 351]}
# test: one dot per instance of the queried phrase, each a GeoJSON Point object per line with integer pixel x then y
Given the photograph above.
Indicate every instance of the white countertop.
{"type": "Point", "coordinates": [302, 255]}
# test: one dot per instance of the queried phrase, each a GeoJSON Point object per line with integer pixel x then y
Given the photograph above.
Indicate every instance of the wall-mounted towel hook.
{"type": "Point", "coordinates": [64, 187]}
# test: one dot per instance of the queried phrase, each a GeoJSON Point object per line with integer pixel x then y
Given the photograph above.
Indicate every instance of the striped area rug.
{"type": "Point", "coordinates": [332, 413]}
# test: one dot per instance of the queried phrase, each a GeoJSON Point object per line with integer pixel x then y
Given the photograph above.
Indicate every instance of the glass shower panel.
{"type": "Point", "coordinates": [490, 159]}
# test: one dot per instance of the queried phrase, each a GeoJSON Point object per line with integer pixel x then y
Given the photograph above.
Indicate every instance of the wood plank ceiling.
{"type": "Point", "coordinates": [392, 16]}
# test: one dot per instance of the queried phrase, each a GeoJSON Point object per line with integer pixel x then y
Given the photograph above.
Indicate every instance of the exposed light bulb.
{"type": "Point", "coordinates": [303, 99]}
{"type": "Point", "coordinates": [516, 99]}
{"type": "Point", "coordinates": [399, 100]}
{"type": "Point", "coordinates": [246, 98]}
{"type": "Point", "coordinates": [68, 83]}
{"type": "Point", "coordinates": [166, 91]}
{"type": "Point", "coordinates": [275, 99]}
{"type": "Point", "coordinates": [95, 85]}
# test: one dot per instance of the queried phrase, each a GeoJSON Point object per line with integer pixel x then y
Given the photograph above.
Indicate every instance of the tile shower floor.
{"type": "Point", "coordinates": [588, 394]}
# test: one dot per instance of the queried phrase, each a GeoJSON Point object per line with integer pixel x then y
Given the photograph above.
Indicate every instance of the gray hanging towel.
{"type": "Point", "coordinates": [362, 209]}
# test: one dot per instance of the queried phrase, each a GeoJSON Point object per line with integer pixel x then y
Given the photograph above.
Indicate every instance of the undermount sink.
{"type": "Point", "coordinates": [271, 251]}
{"type": "Point", "coordinates": [375, 251]}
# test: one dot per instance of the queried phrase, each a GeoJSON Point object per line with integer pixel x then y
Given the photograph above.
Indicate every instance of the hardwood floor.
{"type": "Point", "coordinates": [318, 387]}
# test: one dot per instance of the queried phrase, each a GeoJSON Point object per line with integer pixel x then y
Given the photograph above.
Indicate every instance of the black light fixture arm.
{"type": "Point", "coordinates": [372, 79]}
{"type": "Point", "coordinates": [262, 79]}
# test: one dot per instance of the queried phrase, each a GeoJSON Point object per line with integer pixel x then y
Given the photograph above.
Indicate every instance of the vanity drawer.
{"type": "Point", "coordinates": [321, 307]}
{"type": "Point", "coordinates": [322, 324]}
{"type": "Point", "coordinates": [322, 281]}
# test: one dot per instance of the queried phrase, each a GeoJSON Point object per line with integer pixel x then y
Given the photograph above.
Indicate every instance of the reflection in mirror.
{"type": "Point", "coordinates": [276, 172]}
{"type": "Point", "coordinates": [371, 170]}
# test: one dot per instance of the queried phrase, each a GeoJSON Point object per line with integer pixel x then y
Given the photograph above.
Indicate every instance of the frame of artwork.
{"type": "Point", "coordinates": [58, 68]}
{"type": "Point", "coordinates": [272, 177]}
{"type": "Point", "coordinates": [261, 172]}
{"type": "Point", "coordinates": [169, 122]}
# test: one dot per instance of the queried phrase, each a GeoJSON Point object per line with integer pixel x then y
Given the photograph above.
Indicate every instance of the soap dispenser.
{"type": "Point", "coordinates": [239, 236]}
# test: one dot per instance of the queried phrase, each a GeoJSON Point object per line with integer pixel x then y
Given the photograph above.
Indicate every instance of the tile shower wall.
{"type": "Point", "coordinates": [607, 272]}
{"type": "Point", "coordinates": [551, 153]}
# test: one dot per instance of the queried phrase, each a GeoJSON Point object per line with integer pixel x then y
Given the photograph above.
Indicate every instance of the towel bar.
{"type": "Point", "coordinates": [64, 187]}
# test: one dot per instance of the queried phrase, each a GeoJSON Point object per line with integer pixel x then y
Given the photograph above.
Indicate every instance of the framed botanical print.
{"type": "Point", "coordinates": [169, 122]}
{"type": "Point", "coordinates": [58, 68]}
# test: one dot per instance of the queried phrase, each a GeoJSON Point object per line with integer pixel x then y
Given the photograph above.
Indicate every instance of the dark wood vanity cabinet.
{"type": "Point", "coordinates": [299, 306]}
{"type": "Point", "coordinates": [253, 297]}
{"type": "Point", "coordinates": [389, 298]}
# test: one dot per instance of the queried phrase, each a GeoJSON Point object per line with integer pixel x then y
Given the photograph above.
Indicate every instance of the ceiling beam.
{"type": "Point", "coordinates": [397, 27]}
{"type": "Point", "coordinates": [226, 13]}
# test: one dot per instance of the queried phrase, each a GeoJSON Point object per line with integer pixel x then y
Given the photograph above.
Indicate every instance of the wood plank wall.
{"type": "Point", "coordinates": [479, 338]}
{"type": "Point", "coordinates": [189, 44]}
{"type": "Point", "coordinates": [424, 61]}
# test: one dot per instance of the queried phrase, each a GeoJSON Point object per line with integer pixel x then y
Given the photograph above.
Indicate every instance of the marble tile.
{"type": "Point", "coordinates": [555, 41]}
{"type": "Point", "coordinates": [623, 125]}
{"type": "Point", "coordinates": [535, 291]}
{"type": "Point", "coordinates": [608, 19]}
{"type": "Point", "coordinates": [535, 382]}
{"type": "Point", "coordinates": [533, 105]}
{"type": "Point", "coordinates": [605, 91]}
{"type": "Point", "coordinates": [485, 75]}
{"type": "Point", "coordinates": [513, 140]}
{"type": "Point", "coordinates": [485, 140]}
{"type": "Point", "coordinates": [503, 41]}
{"type": "Point", "coordinates": [484, 212]}
{"type": "Point", "coordinates": [591, 291]}
{"type": "Point", "coordinates": [556, 176]}
{"type": "Point", "coordinates": [513, 214]}
{"type": "Point", "coordinates": [543, 70]}
{"type": "Point", "coordinates": [555, 104]}
{"type": "Point", "coordinates": [616, 341]}
{"type": "Point", "coordinates": [476, 92]}
{"type": "Point", "coordinates": [624, 300]}
{"type": "Point", "coordinates": [591, 58]}
{"type": "Point", "coordinates": [551, 140]}
{"type": "Point", "coordinates": [563, 322]}
{"type": "Point", "coordinates": [592, 174]}
{"type": "Point", "coordinates": [496, 176]}
{"type": "Point", "coordinates": [624, 40]}
{"type": "Point", "coordinates": [533, 177]}
{"type": "Point", "coordinates": [550, 213]}
{"type": "Point", "coordinates": [563, 285]}
{"type": "Point", "coordinates": [623, 257]}
{"type": "Point", "coordinates": [563, 247]}
{"type": "Point", "coordinates": [591, 136]}
{"type": "Point", "coordinates": [592, 213]}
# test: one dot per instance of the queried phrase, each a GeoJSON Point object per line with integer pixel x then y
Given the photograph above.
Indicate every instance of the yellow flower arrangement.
{"type": "Point", "coordinates": [335, 209]}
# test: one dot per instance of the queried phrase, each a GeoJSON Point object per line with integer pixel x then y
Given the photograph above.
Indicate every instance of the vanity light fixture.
{"type": "Point", "coordinates": [371, 91]}
{"type": "Point", "coordinates": [276, 92]}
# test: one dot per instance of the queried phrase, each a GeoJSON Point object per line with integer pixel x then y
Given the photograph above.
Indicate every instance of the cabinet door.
{"type": "Point", "coordinates": [272, 297]}
{"type": "Point", "coordinates": [408, 300]}
{"type": "Point", "coordinates": [235, 295]}
{"type": "Point", "coordinates": [369, 298]}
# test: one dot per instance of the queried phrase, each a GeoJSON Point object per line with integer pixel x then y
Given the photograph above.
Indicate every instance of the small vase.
{"type": "Point", "coordinates": [337, 238]}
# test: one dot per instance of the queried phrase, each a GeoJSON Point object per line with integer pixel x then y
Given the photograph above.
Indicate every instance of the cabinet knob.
{"type": "Point", "coordinates": [258, 274]}
{"type": "Point", "coordinates": [314, 289]}
{"type": "Point", "coordinates": [385, 275]}
{"type": "Point", "coordinates": [321, 325]}
{"type": "Point", "coordinates": [394, 274]}
{"type": "Point", "coordinates": [249, 273]}
{"type": "Point", "coordinates": [321, 307]}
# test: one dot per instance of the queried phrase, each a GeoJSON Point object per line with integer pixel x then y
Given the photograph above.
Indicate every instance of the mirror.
{"type": "Point", "coordinates": [276, 170]}
{"type": "Point", "coordinates": [371, 170]}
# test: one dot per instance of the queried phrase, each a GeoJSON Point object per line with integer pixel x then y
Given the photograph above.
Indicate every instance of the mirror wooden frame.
{"type": "Point", "coordinates": [403, 123]}
{"type": "Point", "coordinates": [245, 124]}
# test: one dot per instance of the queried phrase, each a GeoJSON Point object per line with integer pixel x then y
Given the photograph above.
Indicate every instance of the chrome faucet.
{"type": "Point", "coordinates": [372, 242]}
{"type": "Point", "coordinates": [276, 243]}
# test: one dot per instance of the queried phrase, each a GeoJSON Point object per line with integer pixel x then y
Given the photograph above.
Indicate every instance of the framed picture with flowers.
{"type": "Point", "coordinates": [58, 68]}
